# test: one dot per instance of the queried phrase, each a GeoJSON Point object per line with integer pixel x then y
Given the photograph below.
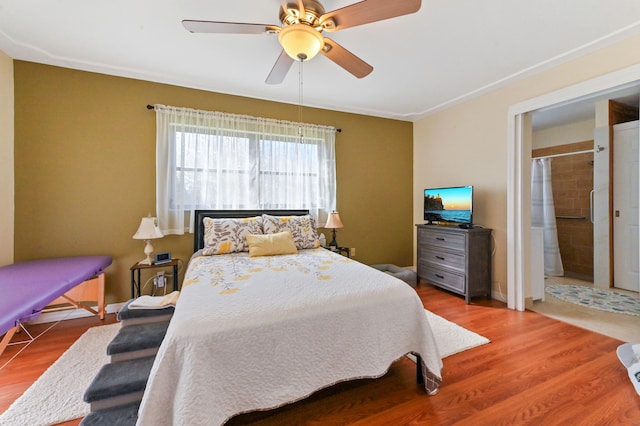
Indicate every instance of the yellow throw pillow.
{"type": "Point", "coordinates": [271, 244]}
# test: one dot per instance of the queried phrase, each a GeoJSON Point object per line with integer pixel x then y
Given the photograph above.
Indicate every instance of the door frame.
{"type": "Point", "coordinates": [519, 169]}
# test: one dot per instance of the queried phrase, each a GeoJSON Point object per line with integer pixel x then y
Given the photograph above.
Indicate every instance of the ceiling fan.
{"type": "Point", "coordinates": [303, 22]}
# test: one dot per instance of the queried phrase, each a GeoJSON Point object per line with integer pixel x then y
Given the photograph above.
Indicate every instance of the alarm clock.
{"type": "Point", "coordinates": [163, 257]}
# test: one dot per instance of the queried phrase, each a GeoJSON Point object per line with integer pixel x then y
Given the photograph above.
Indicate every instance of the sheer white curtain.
{"type": "Point", "coordinates": [215, 160]}
{"type": "Point", "coordinates": [543, 214]}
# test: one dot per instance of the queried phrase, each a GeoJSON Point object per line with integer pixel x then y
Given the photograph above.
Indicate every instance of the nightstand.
{"type": "Point", "coordinates": [345, 251]}
{"type": "Point", "coordinates": [136, 284]}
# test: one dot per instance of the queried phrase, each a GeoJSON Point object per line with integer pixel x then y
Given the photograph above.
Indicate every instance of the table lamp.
{"type": "Point", "coordinates": [148, 230]}
{"type": "Point", "coordinates": [334, 222]}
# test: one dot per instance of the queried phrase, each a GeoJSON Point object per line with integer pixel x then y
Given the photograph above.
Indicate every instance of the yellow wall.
{"type": "Point", "coordinates": [85, 169]}
{"type": "Point", "coordinates": [466, 144]}
{"type": "Point", "coordinates": [6, 159]}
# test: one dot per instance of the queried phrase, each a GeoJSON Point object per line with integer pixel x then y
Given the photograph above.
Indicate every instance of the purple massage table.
{"type": "Point", "coordinates": [27, 287]}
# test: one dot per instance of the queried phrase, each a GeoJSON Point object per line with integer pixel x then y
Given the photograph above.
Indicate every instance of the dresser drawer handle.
{"type": "Point", "coordinates": [439, 276]}
{"type": "Point", "coordinates": [439, 238]}
{"type": "Point", "coordinates": [440, 257]}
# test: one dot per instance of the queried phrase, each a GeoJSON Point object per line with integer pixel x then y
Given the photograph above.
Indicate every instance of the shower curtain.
{"type": "Point", "coordinates": [543, 214]}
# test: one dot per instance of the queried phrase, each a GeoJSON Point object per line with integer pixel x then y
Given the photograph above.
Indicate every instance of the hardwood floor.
{"type": "Point", "coordinates": [536, 370]}
{"type": "Point", "coordinates": [20, 373]}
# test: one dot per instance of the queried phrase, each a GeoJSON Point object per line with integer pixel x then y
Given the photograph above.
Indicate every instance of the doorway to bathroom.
{"type": "Point", "coordinates": [595, 192]}
{"type": "Point", "coordinates": [572, 165]}
{"type": "Point", "coordinates": [594, 163]}
{"type": "Point", "coordinates": [610, 161]}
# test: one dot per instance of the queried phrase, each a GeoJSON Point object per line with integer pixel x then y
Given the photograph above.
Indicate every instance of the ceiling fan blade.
{"type": "Point", "coordinates": [280, 69]}
{"type": "Point", "coordinates": [345, 59]}
{"type": "Point", "coordinates": [226, 27]}
{"type": "Point", "coordinates": [368, 11]}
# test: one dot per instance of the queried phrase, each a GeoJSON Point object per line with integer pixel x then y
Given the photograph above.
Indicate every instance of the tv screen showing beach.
{"type": "Point", "coordinates": [448, 204]}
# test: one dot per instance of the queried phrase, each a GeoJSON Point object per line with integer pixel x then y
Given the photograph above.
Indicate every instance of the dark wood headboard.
{"type": "Point", "coordinates": [198, 240]}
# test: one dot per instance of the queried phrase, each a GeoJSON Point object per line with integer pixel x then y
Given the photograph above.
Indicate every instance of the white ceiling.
{"type": "Point", "coordinates": [448, 51]}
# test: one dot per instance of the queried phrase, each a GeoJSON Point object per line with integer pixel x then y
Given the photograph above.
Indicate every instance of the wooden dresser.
{"type": "Point", "coordinates": [455, 259]}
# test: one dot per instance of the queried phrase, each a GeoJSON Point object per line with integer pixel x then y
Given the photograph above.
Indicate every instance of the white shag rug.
{"type": "Point", "coordinates": [57, 395]}
{"type": "Point", "coordinates": [452, 338]}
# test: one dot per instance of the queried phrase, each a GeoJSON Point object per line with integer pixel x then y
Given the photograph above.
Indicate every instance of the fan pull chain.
{"type": "Point", "coordinates": [300, 100]}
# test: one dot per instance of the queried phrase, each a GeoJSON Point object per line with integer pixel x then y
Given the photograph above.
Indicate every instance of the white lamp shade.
{"type": "Point", "coordinates": [300, 41]}
{"type": "Point", "coordinates": [148, 229]}
{"type": "Point", "coordinates": [334, 221]}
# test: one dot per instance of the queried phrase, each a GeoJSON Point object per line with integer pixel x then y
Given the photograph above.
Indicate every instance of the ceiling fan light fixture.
{"type": "Point", "coordinates": [300, 41]}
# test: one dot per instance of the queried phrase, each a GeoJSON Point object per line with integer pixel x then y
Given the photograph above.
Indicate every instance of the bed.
{"type": "Point", "coordinates": [256, 333]}
{"type": "Point", "coordinates": [28, 287]}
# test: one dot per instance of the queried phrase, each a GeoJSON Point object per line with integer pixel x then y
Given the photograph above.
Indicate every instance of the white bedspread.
{"type": "Point", "coordinates": [258, 333]}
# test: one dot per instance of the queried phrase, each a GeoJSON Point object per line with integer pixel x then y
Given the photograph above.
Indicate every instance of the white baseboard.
{"type": "Point", "coordinates": [73, 313]}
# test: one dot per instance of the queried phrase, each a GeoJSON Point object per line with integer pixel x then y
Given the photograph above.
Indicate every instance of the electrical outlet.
{"type": "Point", "coordinates": [159, 280]}
{"type": "Point", "coordinates": [352, 252]}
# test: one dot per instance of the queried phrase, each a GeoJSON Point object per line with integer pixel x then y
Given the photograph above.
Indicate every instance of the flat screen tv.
{"type": "Point", "coordinates": [451, 205]}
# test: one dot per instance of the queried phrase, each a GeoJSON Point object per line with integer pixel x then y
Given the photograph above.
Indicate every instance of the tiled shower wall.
{"type": "Point", "coordinates": [572, 181]}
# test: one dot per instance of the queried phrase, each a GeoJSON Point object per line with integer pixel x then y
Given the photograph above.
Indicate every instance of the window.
{"type": "Point", "coordinates": [212, 160]}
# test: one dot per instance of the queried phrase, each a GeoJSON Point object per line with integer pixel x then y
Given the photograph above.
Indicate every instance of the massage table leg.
{"type": "Point", "coordinates": [7, 338]}
{"type": "Point", "coordinates": [101, 307]}
{"type": "Point", "coordinates": [91, 289]}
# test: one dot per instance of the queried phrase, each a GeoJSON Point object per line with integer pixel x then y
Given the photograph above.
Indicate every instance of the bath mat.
{"type": "Point", "coordinates": [596, 298]}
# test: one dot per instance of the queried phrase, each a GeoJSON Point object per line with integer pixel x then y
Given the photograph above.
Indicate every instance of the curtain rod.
{"type": "Point", "coordinates": [565, 154]}
{"type": "Point", "coordinates": [150, 107]}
